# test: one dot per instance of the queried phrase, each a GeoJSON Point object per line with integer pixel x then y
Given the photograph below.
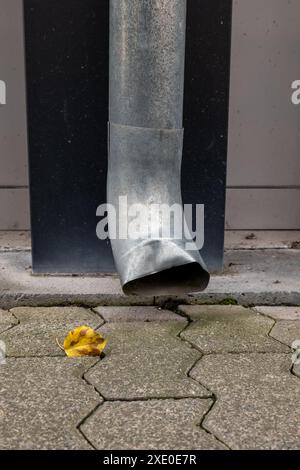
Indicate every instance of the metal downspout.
{"type": "Point", "coordinates": [147, 53]}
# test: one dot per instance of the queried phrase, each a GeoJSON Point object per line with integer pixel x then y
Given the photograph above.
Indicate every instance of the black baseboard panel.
{"type": "Point", "coordinates": [67, 101]}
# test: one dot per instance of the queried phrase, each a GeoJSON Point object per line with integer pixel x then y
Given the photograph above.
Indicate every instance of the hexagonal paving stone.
{"type": "Point", "coordinates": [40, 327]}
{"type": "Point", "coordinates": [134, 314]}
{"type": "Point", "coordinates": [296, 370]}
{"type": "Point", "coordinates": [42, 401]}
{"type": "Point", "coordinates": [7, 320]}
{"type": "Point", "coordinates": [286, 332]}
{"type": "Point", "coordinates": [146, 360]}
{"type": "Point", "coordinates": [280, 313]}
{"type": "Point", "coordinates": [229, 329]}
{"type": "Point", "coordinates": [151, 424]}
{"type": "Point", "coordinates": [258, 400]}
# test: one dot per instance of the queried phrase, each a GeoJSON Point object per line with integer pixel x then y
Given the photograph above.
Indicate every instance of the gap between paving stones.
{"type": "Point", "coordinates": [214, 397]}
{"type": "Point", "coordinates": [258, 413]}
{"type": "Point", "coordinates": [68, 327]}
{"type": "Point", "coordinates": [276, 339]}
{"type": "Point", "coordinates": [270, 332]}
{"type": "Point", "coordinates": [276, 322]}
{"type": "Point", "coordinates": [202, 423]}
{"type": "Point", "coordinates": [120, 395]}
{"type": "Point", "coordinates": [210, 394]}
{"type": "Point", "coordinates": [271, 329]}
{"type": "Point", "coordinates": [76, 421]}
{"type": "Point", "coordinates": [292, 370]}
{"type": "Point", "coordinates": [11, 327]}
{"type": "Point", "coordinates": [101, 402]}
{"type": "Point", "coordinates": [155, 398]}
{"type": "Point", "coordinates": [82, 376]}
{"type": "Point", "coordinates": [204, 354]}
{"type": "Point", "coordinates": [171, 425]}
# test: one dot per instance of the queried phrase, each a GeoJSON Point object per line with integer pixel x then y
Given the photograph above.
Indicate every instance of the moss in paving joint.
{"type": "Point", "coordinates": [173, 303]}
{"type": "Point", "coordinates": [229, 301]}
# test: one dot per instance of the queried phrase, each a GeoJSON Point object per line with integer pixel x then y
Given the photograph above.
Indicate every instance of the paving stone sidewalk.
{"type": "Point", "coordinates": [202, 377]}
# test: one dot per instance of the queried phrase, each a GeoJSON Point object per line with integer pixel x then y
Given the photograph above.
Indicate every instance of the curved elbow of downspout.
{"type": "Point", "coordinates": [153, 252]}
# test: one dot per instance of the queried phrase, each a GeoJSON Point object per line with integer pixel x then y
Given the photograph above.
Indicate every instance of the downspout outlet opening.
{"type": "Point", "coordinates": [179, 280]}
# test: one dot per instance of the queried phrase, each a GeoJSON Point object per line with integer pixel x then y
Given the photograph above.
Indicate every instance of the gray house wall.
{"type": "Point", "coordinates": [264, 136]}
{"type": "Point", "coordinates": [264, 132]}
{"type": "Point", "coordinates": [14, 200]}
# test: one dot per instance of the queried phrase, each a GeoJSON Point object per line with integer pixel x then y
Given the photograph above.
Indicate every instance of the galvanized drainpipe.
{"type": "Point", "coordinates": [147, 53]}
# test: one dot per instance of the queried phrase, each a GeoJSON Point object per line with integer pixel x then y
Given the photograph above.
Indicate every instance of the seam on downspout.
{"type": "Point", "coordinates": [147, 53]}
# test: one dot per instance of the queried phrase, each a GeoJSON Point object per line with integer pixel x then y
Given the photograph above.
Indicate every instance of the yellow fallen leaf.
{"type": "Point", "coordinates": [84, 341]}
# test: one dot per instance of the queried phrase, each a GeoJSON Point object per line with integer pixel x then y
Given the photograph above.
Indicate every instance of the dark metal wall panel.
{"type": "Point", "coordinates": [206, 118]}
{"type": "Point", "coordinates": [67, 97]}
{"type": "Point", "coordinates": [67, 91]}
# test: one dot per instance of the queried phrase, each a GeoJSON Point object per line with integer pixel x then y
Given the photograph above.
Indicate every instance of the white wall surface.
{"type": "Point", "coordinates": [264, 134]}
